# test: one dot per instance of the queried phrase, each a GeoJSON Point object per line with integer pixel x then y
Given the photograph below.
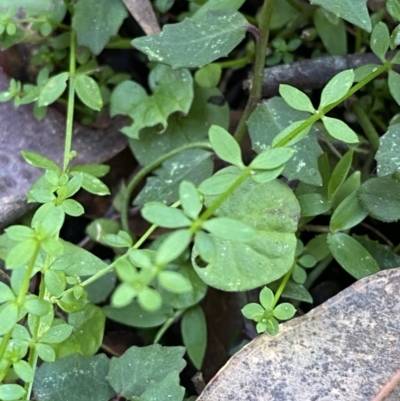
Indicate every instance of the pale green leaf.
{"type": "Point", "coordinates": [172, 92]}
{"type": "Point", "coordinates": [352, 256]}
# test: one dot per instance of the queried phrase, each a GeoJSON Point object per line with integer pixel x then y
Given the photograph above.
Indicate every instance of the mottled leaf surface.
{"type": "Point", "coordinates": [96, 21]}
{"type": "Point", "coordinates": [193, 44]}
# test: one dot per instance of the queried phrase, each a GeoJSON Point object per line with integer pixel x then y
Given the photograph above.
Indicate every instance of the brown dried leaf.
{"type": "Point", "coordinates": [347, 349]}
{"type": "Point", "coordinates": [21, 131]}
{"type": "Point", "coordinates": [144, 14]}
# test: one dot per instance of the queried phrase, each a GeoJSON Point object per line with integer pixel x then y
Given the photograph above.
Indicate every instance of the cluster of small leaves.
{"type": "Point", "coordinates": [266, 313]}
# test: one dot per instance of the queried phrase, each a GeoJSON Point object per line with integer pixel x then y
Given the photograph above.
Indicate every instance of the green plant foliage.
{"type": "Point", "coordinates": [238, 221]}
{"type": "Point", "coordinates": [332, 32]}
{"type": "Point", "coordinates": [336, 88]}
{"type": "Point", "coordinates": [352, 256]}
{"type": "Point", "coordinates": [381, 198]}
{"type": "Point", "coordinates": [383, 254]}
{"type": "Point", "coordinates": [137, 373]}
{"type": "Point", "coordinates": [339, 130]}
{"type": "Point", "coordinates": [387, 154]}
{"type": "Point", "coordinates": [393, 9]}
{"type": "Point", "coordinates": [266, 257]}
{"type": "Point", "coordinates": [271, 118]}
{"type": "Point", "coordinates": [380, 40]}
{"type": "Point", "coordinates": [208, 76]}
{"type": "Point", "coordinates": [11, 392]}
{"type": "Point", "coordinates": [394, 85]}
{"type": "Point", "coordinates": [225, 27]}
{"type": "Point", "coordinates": [88, 91]}
{"type": "Point", "coordinates": [339, 174]}
{"type": "Point", "coordinates": [194, 335]}
{"type": "Point", "coordinates": [53, 89]}
{"type": "Point", "coordinates": [296, 98]}
{"type": "Point", "coordinates": [353, 11]}
{"type": "Point", "coordinates": [172, 91]}
{"type": "Point", "coordinates": [83, 376]}
{"type": "Point", "coordinates": [194, 165]}
{"type": "Point", "coordinates": [135, 316]}
{"type": "Point", "coordinates": [108, 14]}
{"type": "Point", "coordinates": [86, 338]}
{"type": "Point", "coordinates": [348, 214]}
{"type": "Point", "coordinates": [225, 146]}
{"type": "Point", "coordinates": [208, 107]}
{"type": "Point", "coordinates": [266, 314]}
{"type": "Point", "coordinates": [189, 298]}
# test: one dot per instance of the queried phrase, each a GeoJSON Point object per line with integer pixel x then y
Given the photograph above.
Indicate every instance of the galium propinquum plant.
{"type": "Point", "coordinates": [236, 230]}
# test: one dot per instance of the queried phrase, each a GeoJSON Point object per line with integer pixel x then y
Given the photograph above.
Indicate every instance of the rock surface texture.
{"type": "Point", "coordinates": [347, 349]}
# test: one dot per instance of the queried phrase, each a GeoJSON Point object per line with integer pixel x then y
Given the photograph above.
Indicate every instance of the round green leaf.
{"type": "Point", "coordinates": [11, 392]}
{"type": "Point", "coordinates": [380, 40]}
{"type": "Point", "coordinates": [164, 216]}
{"type": "Point", "coordinates": [380, 197]}
{"type": "Point", "coordinates": [173, 246]}
{"type": "Point", "coordinates": [6, 293]}
{"type": "Point", "coordinates": [296, 98]}
{"type": "Point", "coordinates": [23, 370]}
{"type": "Point", "coordinates": [8, 317]}
{"type": "Point", "coordinates": [272, 158]}
{"type": "Point", "coordinates": [266, 298]}
{"type": "Point", "coordinates": [174, 282]}
{"type": "Point", "coordinates": [46, 352]}
{"type": "Point", "coordinates": [38, 307]}
{"type": "Point", "coordinates": [336, 88]}
{"type": "Point", "coordinates": [205, 246]}
{"type": "Point", "coordinates": [272, 326]}
{"type": "Point", "coordinates": [252, 311]}
{"type": "Point", "coordinates": [190, 199]}
{"type": "Point", "coordinates": [149, 299]}
{"type": "Point", "coordinates": [225, 146]}
{"type": "Point", "coordinates": [284, 311]}
{"type": "Point", "coordinates": [88, 91]}
{"type": "Point", "coordinates": [56, 334]}
{"type": "Point", "coordinates": [339, 130]}
{"type": "Point", "coordinates": [208, 76]}
{"type": "Point", "coordinates": [53, 89]}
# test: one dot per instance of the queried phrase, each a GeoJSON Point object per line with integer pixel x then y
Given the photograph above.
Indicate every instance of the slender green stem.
{"type": "Point", "coordinates": [147, 170]}
{"type": "Point", "coordinates": [120, 43]}
{"type": "Point", "coordinates": [33, 357]}
{"type": "Point", "coordinates": [396, 249]}
{"type": "Point", "coordinates": [71, 102]}
{"type": "Point", "coordinates": [259, 65]}
{"type": "Point", "coordinates": [27, 277]}
{"type": "Point", "coordinates": [282, 285]}
{"type": "Point", "coordinates": [167, 325]}
{"type": "Point", "coordinates": [358, 40]}
{"type": "Point", "coordinates": [239, 62]}
{"type": "Point", "coordinates": [367, 126]}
